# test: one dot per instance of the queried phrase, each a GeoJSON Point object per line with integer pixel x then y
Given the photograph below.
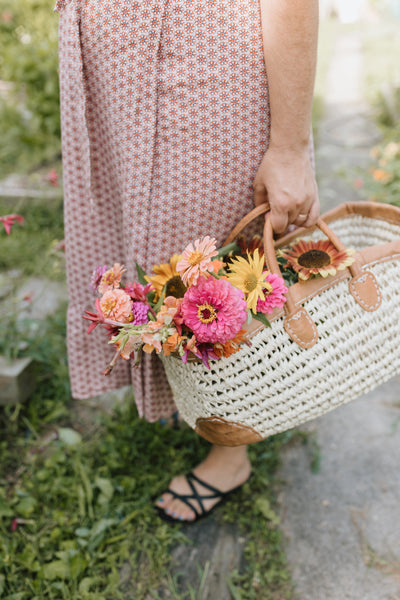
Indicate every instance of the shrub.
{"type": "Point", "coordinates": [29, 105]}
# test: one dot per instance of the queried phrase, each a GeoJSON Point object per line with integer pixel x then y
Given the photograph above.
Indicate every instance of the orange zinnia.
{"type": "Point", "coordinates": [171, 344]}
{"type": "Point", "coordinates": [309, 258]}
{"type": "Point", "coordinates": [231, 346]}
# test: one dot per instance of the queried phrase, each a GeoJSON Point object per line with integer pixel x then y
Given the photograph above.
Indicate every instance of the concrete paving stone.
{"type": "Point", "coordinates": [46, 296]}
{"type": "Point", "coordinates": [214, 551]}
{"type": "Point", "coordinates": [342, 524]}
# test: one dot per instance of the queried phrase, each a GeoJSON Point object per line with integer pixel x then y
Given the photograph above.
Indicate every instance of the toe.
{"type": "Point", "coordinates": [179, 510]}
{"type": "Point", "coordinates": [164, 501]}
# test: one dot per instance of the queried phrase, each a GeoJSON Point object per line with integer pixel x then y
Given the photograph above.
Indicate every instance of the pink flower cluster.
{"type": "Point", "coordinates": [275, 297]}
{"type": "Point", "coordinates": [118, 305]}
{"type": "Point", "coordinates": [214, 310]}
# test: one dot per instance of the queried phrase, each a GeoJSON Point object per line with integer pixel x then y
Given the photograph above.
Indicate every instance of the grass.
{"type": "Point", "coordinates": [381, 49]}
{"type": "Point", "coordinates": [30, 248]}
{"type": "Point", "coordinates": [76, 505]}
{"type": "Point", "coordinates": [76, 492]}
{"type": "Point", "coordinates": [29, 105]}
{"type": "Point", "coordinates": [328, 32]}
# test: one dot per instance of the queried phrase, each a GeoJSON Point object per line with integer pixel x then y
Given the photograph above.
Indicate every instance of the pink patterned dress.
{"type": "Point", "coordinates": [165, 120]}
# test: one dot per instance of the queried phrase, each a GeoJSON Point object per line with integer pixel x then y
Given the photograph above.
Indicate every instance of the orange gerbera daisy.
{"type": "Point", "coordinates": [309, 258]}
{"type": "Point", "coordinates": [166, 274]}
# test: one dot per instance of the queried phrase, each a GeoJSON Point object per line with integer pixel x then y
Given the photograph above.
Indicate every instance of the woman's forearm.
{"type": "Point", "coordinates": [290, 34]}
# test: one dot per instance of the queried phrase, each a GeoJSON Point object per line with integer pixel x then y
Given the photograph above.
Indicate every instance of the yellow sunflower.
{"type": "Point", "coordinates": [166, 274]}
{"type": "Point", "coordinates": [247, 275]}
{"type": "Point", "coordinates": [309, 258]}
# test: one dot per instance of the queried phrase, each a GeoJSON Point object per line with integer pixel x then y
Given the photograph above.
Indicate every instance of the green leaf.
{"type": "Point", "coordinates": [264, 507]}
{"type": "Point", "coordinates": [106, 488]}
{"type": "Point", "coordinates": [151, 297]}
{"type": "Point", "coordinates": [102, 526]}
{"type": "Point", "coordinates": [78, 565]}
{"type": "Point", "coordinates": [161, 300]}
{"type": "Point", "coordinates": [58, 569]}
{"type": "Point", "coordinates": [27, 557]}
{"type": "Point", "coordinates": [233, 247]}
{"type": "Point", "coordinates": [141, 274]}
{"type": "Point", "coordinates": [82, 532]}
{"type": "Point", "coordinates": [262, 318]}
{"type": "Point", "coordinates": [99, 531]}
{"type": "Point", "coordinates": [5, 510]}
{"type": "Point", "coordinates": [26, 506]}
{"type": "Point", "coordinates": [69, 436]}
{"type": "Point", "coordinates": [86, 584]}
{"type": "Point", "coordinates": [87, 487]}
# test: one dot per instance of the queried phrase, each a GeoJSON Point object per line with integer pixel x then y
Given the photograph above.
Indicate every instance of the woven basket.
{"type": "Point", "coordinates": [335, 339]}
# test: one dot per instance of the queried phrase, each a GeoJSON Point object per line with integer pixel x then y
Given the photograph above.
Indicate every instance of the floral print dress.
{"type": "Point", "coordinates": [165, 119]}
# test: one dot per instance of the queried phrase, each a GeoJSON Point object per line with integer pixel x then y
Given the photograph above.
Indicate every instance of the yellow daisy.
{"type": "Point", "coordinates": [248, 275]}
{"type": "Point", "coordinates": [166, 274]}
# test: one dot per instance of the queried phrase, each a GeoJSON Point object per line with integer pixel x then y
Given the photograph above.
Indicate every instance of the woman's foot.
{"type": "Point", "coordinates": [224, 468]}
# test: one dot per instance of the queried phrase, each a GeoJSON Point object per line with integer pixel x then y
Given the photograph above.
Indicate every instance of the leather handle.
{"type": "Point", "coordinates": [298, 323]}
{"type": "Point", "coordinates": [273, 265]}
{"type": "Point", "coordinates": [253, 214]}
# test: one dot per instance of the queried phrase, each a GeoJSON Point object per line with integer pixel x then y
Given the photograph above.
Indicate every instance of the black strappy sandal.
{"type": "Point", "coordinates": [196, 496]}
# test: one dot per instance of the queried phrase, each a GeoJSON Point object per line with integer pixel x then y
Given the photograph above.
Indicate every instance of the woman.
{"type": "Point", "coordinates": [171, 132]}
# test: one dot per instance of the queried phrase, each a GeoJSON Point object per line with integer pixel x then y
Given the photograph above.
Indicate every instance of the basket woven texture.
{"type": "Point", "coordinates": [275, 384]}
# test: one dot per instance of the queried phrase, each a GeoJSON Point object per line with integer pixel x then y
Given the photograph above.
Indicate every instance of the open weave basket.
{"type": "Point", "coordinates": [347, 342]}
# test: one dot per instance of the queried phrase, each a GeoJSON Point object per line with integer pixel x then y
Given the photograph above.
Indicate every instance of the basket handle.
{"type": "Point", "coordinates": [298, 323]}
{"type": "Point", "coordinates": [253, 214]}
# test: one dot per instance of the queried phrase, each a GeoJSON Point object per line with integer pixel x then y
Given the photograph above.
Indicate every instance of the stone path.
{"type": "Point", "coordinates": [342, 525]}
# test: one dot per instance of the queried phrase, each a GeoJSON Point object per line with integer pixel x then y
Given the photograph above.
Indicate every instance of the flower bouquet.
{"type": "Point", "coordinates": [198, 305]}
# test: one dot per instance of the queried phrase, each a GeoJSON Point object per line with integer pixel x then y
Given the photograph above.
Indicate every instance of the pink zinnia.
{"type": "Point", "coordinates": [111, 278]}
{"type": "Point", "coordinates": [214, 310]}
{"type": "Point", "coordinates": [196, 259]}
{"type": "Point", "coordinates": [274, 294]}
{"type": "Point", "coordinates": [117, 305]}
{"type": "Point", "coordinates": [96, 277]}
{"type": "Point", "coordinates": [139, 310]}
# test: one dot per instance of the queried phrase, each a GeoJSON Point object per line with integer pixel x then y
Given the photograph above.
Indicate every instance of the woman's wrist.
{"type": "Point", "coordinates": [297, 145]}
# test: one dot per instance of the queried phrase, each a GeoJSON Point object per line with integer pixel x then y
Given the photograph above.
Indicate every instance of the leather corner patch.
{"type": "Point", "coordinates": [365, 290]}
{"type": "Point", "coordinates": [301, 328]}
{"type": "Point", "coordinates": [222, 432]}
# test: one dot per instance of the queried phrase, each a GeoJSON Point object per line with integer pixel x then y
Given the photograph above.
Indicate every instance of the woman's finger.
{"type": "Point", "coordinates": [313, 215]}
{"type": "Point", "coordinates": [279, 220]}
{"type": "Point", "coordinates": [301, 218]}
{"type": "Point", "coordinates": [260, 194]}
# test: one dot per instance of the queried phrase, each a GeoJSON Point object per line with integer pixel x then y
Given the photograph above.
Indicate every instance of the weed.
{"type": "Point", "coordinates": [29, 111]}
{"type": "Point", "coordinates": [30, 249]}
{"type": "Point", "coordinates": [76, 507]}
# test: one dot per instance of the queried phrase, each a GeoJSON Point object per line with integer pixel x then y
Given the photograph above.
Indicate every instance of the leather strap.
{"type": "Point", "coordinates": [298, 323]}
{"type": "Point", "coordinates": [253, 214]}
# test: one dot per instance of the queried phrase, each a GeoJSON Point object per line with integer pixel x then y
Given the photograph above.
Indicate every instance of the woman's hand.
{"type": "Point", "coordinates": [286, 180]}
